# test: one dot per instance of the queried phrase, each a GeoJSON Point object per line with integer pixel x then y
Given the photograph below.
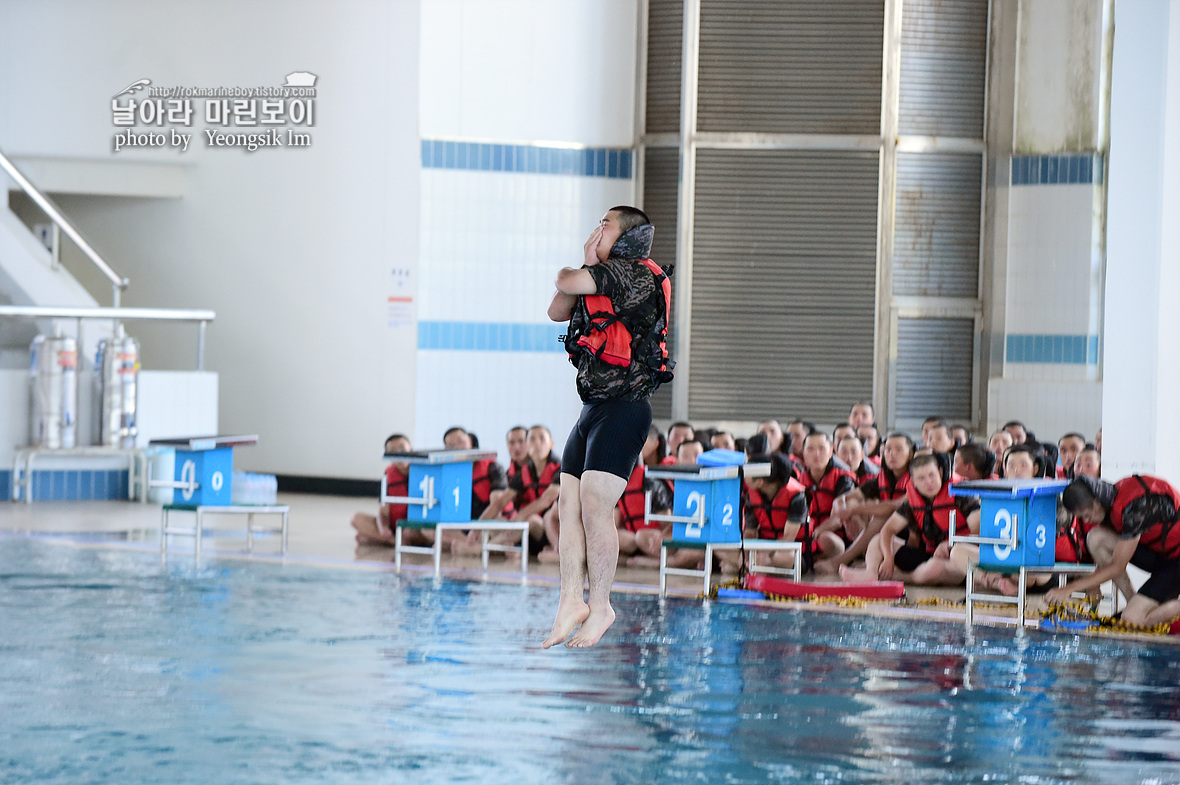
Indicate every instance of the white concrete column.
{"type": "Point", "coordinates": [1141, 355]}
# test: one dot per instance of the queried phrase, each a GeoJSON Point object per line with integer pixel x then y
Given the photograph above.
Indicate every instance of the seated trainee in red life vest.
{"type": "Point", "coordinates": [998, 444]}
{"type": "Point", "coordinates": [380, 529]}
{"type": "Point", "coordinates": [826, 479]}
{"type": "Point", "coordinates": [677, 432]}
{"type": "Point", "coordinates": [1088, 463]}
{"type": "Point", "coordinates": [851, 452]}
{"type": "Point", "coordinates": [1068, 447]}
{"type": "Point", "coordinates": [534, 489]}
{"type": "Point", "coordinates": [865, 510]}
{"type": "Point", "coordinates": [870, 437]}
{"type": "Point", "coordinates": [912, 546]}
{"type": "Point", "coordinates": [1139, 523]}
{"type": "Point", "coordinates": [688, 452]}
{"type": "Point", "coordinates": [974, 462]}
{"type": "Point", "coordinates": [722, 440]}
{"type": "Point", "coordinates": [777, 510]}
{"type": "Point", "coordinates": [938, 437]}
{"type": "Point", "coordinates": [640, 540]}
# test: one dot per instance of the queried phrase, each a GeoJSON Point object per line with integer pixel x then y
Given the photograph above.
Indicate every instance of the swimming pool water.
{"type": "Point", "coordinates": [117, 668]}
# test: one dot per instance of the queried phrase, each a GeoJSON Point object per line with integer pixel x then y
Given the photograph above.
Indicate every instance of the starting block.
{"type": "Point", "coordinates": [1017, 536]}
{"type": "Point", "coordinates": [706, 514]}
{"type": "Point", "coordinates": [442, 478]}
{"type": "Point", "coordinates": [204, 469]}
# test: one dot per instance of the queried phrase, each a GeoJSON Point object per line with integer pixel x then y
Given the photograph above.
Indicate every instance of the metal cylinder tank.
{"type": "Point", "coordinates": [53, 387]}
{"type": "Point", "coordinates": [116, 371]}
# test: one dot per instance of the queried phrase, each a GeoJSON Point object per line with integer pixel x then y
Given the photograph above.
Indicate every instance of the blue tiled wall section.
{"type": "Point", "coordinates": [1052, 349]}
{"type": "Point", "coordinates": [1085, 169]}
{"type": "Point", "coordinates": [72, 485]}
{"type": "Point", "coordinates": [490, 337]}
{"type": "Point", "coordinates": [488, 157]}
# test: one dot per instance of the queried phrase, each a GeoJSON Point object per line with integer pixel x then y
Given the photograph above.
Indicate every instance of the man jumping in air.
{"type": "Point", "coordinates": [617, 305]}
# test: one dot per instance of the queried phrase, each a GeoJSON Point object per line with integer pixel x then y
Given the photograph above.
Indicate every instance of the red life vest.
{"type": "Point", "coordinates": [771, 514]}
{"type": "Point", "coordinates": [397, 484]}
{"type": "Point", "coordinates": [934, 517]}
{"type": "Point", "coordinates": [632, 501]}
{"type": "Point", "coordinates": [534, 486]}
{"type": "Point", "coordinates": [1071, 544]}
{"type": "Point", "coordinates": [821, 495]}
{"type": "Point", "coordinates": [1163, 537]}
{"type": "Point", "coordinates": [889, 489]}
{"type": "Point", "coordinates": [481, 481]}
{"type": "Point", "coordinates": [609, 338]}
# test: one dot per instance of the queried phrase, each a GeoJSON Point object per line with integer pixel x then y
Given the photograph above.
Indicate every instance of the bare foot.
{"type": "Point", "coordinates": [593, 627]}
{"type": "Point", "coordinates": [569, 616]}
{"type": "Point", "coordinates": [466, 548]}
{"type": "Point", "coordinates": [368, 533]}
{"type": "Point", "coordinates": [849, 575]}
{"type": "Point", "coordinates": [642, 561]}
{"type": "Point", "coordinates": [548, 556]}
{"type": "Point", "coordinates": [826, 567]}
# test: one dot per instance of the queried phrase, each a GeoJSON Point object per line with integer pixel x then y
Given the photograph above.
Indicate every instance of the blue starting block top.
{"type": "Point", "coordinates": [1017, 521]}
{"type": "Point", "coordinates": [204, 471]}
{"type": "Point", "coordinates": [706, 503]}
{"type": "Point", "coordinates": [431, 457]}
{"type": "Point", "coordinates": [439, 484]}
{"type": "Point", "coordinates": [1008, 489]}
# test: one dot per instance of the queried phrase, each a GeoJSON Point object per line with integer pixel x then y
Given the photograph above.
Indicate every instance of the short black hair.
{"type": "Point", "coordinates": [933, 418]}
{"type": "Point", "coordinates": [1077, 496]}
{"type": "Point", "coordinates": [453, 429]}
{"type": "Point", "coordinates": [1036, 455]}
{"type": "Point", "coordinates": [983, 459]}
{"type": "Point", "coordinates": [517, 428]}
{"type": "Point", "coordinates": [1072, 435]}
{"type": "Point", "coordinates": [682, 424]}
{"type": "Point", "coordinates": [393, 436]}
{"type": "Point", "coordinates": [1015, 424]}
{"type": "Point", "coordinates": [629, 217]}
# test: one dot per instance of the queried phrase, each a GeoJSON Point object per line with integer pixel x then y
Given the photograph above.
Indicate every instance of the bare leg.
{"type": "Point", "coordinates": [860, 545]}
{"type": "Point", "coordinates": [873, 559]}
{"type": "Point", "coordinates": [1145, 611]}
{"type": "Point", "coordinates": [369, 530]}
{"type": "Point", "coordinates": [600, 493]}
{"type": "Point", "coordinates": [571, 607]}
{"type": "Point", "coordinates": [1101, 542]}
{"type": "Point", "coordinates": [830, 548]}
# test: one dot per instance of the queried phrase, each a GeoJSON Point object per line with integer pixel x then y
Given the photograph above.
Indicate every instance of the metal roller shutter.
{"type": "Point", "coordinates": [661, 169]}
{"type": "Point", "coordinates": [936, 225]}
{"type": "Point", "coordinates": [665, 24]}
{"type": "Point", "coordinates": [935, 358]}
{"type": "Point", "coordinates": [792, 66]}
{"type": "Point", "coordinates": [784, 278]}
{"type": "Point", "coordinates": [943, 68]}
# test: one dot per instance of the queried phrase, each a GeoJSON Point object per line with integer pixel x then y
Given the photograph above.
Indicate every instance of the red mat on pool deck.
{"type": "Point", "coordinates": [880, 590]}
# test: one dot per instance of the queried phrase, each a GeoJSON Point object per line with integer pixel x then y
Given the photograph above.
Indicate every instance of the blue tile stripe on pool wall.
{"type": "Point", "coordinates": [490, 337]}
{"type": "Point", "coordinates": [489, 157]}
{"type": "Point", "coordinates": [1066, 169]}
{"type": "Point", "coordinates": [71, 485]}
{"type": "Point", "coordinates": [1052, 349]}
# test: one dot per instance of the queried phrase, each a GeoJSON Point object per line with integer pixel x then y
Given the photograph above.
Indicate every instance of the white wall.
{"type": "Point", "coordinates": [297, 250]}
{"type": "Point", "coordinates": [539, 76]}
{"type": "Point", "coordinates": [1051, 232]}
{"type": "Point", "coordinates": [1142, 362]}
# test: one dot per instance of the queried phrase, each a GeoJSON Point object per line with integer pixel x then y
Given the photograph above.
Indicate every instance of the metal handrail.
{"type": "Point", "coordinates": [201, 317]}
{"type": "Point", "coordinates": [118, 283]}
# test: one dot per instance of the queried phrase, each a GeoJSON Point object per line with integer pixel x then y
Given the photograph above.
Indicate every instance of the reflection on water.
{"type": "Point", "coordinates": [114, 667]}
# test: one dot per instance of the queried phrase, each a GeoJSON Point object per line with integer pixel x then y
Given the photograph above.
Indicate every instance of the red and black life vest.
{"type": "Point", "coordinates": [481, 481]}
{"type": "Point", "coordinates": [534, 486]}
{"type": "Point", "coordinates": [1163, 537]}
{"type": "Point", "coordinates": [1071, 544]}
{"type": "Point", "coordinates": [888, 486]}
{"type": "Point", "coordinates": [609, 337]}
{"type": "Point", "coordinates": [632, 501]}
{"type": "Point", "coordinates": [933, 516]}
{"type": "Point", "coordinates": [821, 495]}
{"type": "Point", "coordinates": [397, 484]}
{"type": "Point", "coordinates": [771, 514]}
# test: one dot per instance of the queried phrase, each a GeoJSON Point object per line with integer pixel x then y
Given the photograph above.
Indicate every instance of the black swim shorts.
{"type": "Point", "coordinates": [608, 437]}
{"type": "Point", "coordinates": [1164, 583]}
{"type": "Point", "coordinates": [907, 558]}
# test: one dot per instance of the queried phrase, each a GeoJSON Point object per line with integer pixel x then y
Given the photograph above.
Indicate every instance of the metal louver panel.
{"type": "Point", "coordinates": [661, 175]}
{"type": "Point", "coordinates": [934, 366]}
{"type": "Point", "coordinates": [791, 66]}
{"type": "Point", "coordinates": [665, 34]}
{"type": "Point", "coordinates": [943, 67]}
{"type": "Point", "coordinates": [936, 224]}
{"type": "Point", "coordinates": [784, 278]}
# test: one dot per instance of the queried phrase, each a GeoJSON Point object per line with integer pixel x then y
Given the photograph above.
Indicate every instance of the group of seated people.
{"type": "Point", "coordinates": [864, 506]}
